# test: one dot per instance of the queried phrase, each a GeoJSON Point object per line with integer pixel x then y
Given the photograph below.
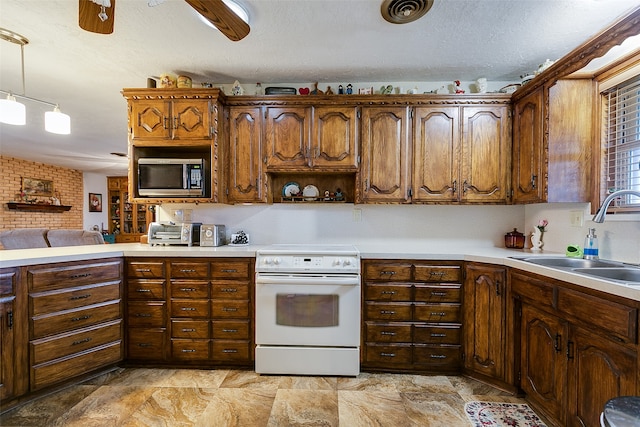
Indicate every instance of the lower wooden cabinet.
{"type": "Point", "coordinates": [13, 369]}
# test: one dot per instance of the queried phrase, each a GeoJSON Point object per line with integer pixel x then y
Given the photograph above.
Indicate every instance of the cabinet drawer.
{"type": "Point", "coordinates": [64, 276]}
{"type": "Point", "coordinates": [385, 292]}
{"type": "Point", "coordinates": [387, 272]}
{"type": "Point", "coordinates": [189, 289]}
{"type": "Point", "coordinates": [229, 309]}
{"type": "Point", "coordinates": [434, 356]}
{"type": "Point", "coordinates": [230, 290]}
{"type": "Point", "coordinates": [612, 317]}
{"type": "Point", "coordinates": [532, 289]}
{"type": "Point", "coordinates": [146, 289]}
{"type": "Point", "coordinates": [438, 293]}
{"type": "Point", "coordinates": [145, 269]}
{"type": "Point", "coordinates": [226, 350]}
{"type": "Point", "coordinates": [230, 330]}
{"type": "Point", "coordinates": [190, 270]}
{"type": "Point", "coordinates": [190, 349]}
{"type": "Point", "coordinates": [441, 334]}
{"type": "Point", "coordinates": [46, 349]}
{"type": "Point", "coordinates": [438, 273]}
{"type": "Point", "coordinates": [437, 313]}
{"type": "Point", "coordinates": [388, 332]}
{"type": "Point", "coordinates": [149, 314]}
{"type": "Point", "coordinates": [146, 344]}
{"type": "Point", "coordinates": [230, 269]}
{"type": "Point", "coordinates": [8, 278]}
{"type": "Point", "coordinates": [67, 299]}
{"type": "Point", "coordinates": [193, 329]}
{"type": "Point", "coordinates": [388, 356]}
{"type": "Point", "coordinates": [190, 308]}
{"type": "Point", "coordinates": [82, 363]}
{"type": "Point", "coordinates": [75, 319]}
{"type": "Point", "coordinates": [388, 311]}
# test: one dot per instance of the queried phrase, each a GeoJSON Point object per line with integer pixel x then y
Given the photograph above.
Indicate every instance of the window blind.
{"type": "Point", "coordinates": [622, 159]}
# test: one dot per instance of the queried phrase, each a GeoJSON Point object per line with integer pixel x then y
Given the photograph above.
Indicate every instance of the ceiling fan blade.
{"type": "Point", "coordinates": [220, 15]}
{"type": "Point", "coordinates": [88, 17]}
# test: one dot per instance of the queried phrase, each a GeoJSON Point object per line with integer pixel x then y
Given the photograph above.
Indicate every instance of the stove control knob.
{"type": "Point", "coordinates": [337, 261]}
{"type": "Point", "coordinates": [276, 260]}
{"type": "Point", "coordinates": [346, 262]}
{"type": "Point", "coordinates": [267, 261]}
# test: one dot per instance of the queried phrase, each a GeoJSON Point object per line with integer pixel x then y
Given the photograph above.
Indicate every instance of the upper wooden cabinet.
{"type": "Point", "coordinates": [245, 176]}
{"type": "Point", "coordinates": [303, 137]}
{"type": "Point", "coordinates": [171, 119]}
{"type": "Point", "coordinates": [385, 172]}
{"type": "Point", "coordinates": [461, 154]}
{"type": "Point", "coordinates": [553, 143]}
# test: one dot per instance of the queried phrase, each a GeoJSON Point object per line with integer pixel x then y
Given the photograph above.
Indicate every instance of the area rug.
{"type": "Point", "coordinates": [495, 414]}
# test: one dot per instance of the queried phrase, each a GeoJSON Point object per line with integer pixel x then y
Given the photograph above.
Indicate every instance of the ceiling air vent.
{"type": "Point", "coordinates": [404, 11]}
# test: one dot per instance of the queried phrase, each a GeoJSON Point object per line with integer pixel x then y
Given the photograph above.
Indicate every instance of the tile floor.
{"type": "Point", "coordinates": [221, 398]}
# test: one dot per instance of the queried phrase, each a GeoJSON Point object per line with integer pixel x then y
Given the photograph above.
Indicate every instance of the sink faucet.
{"type": "Point", "coordinates": [602, 212]}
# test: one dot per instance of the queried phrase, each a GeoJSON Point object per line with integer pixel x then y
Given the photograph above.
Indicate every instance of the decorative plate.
{"type": "Point", "coordinates": [291, 189]}
{"type": "Point", "coordinates": [310, 192]}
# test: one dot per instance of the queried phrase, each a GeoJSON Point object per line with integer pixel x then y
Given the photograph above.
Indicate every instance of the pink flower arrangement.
{"type": "Point", "coordinates": [542, 224]}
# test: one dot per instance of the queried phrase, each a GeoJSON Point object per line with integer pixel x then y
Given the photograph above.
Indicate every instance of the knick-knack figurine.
{"type": "Point", "coordinates": [237, 89]}
{"type": "Point", "coordinates": [349, 89]}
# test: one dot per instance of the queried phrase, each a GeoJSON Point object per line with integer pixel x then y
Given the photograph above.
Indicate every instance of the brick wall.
{"type": "Point", "coordinates": [67, 182]}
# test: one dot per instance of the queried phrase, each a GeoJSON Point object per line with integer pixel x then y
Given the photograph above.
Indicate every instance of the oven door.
{"type": "Point", "coordinates": [308, 309]}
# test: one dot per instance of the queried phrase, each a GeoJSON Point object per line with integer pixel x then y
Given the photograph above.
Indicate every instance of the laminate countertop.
{"type": "Point", "coordinates": [395, 250]}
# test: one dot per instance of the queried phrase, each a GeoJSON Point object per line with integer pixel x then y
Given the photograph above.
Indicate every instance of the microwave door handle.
{"type": "Point", "coordinates": [185, 176]}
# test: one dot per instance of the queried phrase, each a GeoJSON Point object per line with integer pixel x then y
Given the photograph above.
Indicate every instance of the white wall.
{"type": "Point", "coordinates": [94, 183]}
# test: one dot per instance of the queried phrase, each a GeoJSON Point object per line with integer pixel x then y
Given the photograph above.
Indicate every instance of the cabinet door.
{"type": "Point", "coordinates": [436, 150]}
{"type": "Point", "coordinates": [7, 355]}
{"type": "Point", "coordinates": [245, 156]}
{"type": "Point", "coordinates": [150, 119]}
{"type": "Point", "coordinates": [191, 119]}
{"type": "Point", "coordinates": [528, 149]}
{"type": "Point", "coordinates": [334, 143]}
{"type": "Point", "coordinates": [485, 154]}
{"type": "Point", "coordinates": [385, 155]}
{"type": "Point", "coordinates": [544, 362]}
{"type": "Point", "coordinates": [484, 320]}
{"type": "Point", "coordinates": [287, 137]}
{"type": "Point", "coordinates": [599, 369]}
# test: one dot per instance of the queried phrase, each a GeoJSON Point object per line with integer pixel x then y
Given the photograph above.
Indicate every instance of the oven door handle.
{"type": "Point", "coordinates": [308, 279]}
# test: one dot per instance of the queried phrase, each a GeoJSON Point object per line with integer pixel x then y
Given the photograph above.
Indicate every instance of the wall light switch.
{"type": "Point", "coordinates": [576, 218]}
{"type": "Point", "coordinates": [357, 215]}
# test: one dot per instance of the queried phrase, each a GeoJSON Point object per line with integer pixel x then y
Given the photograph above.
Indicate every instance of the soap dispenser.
{"type": "Point", "coordinates": [591, 245]}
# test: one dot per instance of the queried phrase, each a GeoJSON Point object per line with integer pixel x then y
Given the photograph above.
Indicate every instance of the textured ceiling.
{"type": "Point", "coordinates": [291, 41]}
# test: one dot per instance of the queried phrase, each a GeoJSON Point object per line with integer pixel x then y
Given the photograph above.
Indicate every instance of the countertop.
{"type": "Point", "coordinates": [415, 250]}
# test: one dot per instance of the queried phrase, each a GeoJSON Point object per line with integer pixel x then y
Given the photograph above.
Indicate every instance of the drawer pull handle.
{"type": "Point", "coordinates": [437, 356]}
{"type": "Point", "coordinates": [388, 292]}
{"type": "Point", "coordinates": [229, 270]}
{"type": "Point", "coordinates": [229, 309]}
{"type": "Point", "coordinates": [187, 309]}
{"type": "Point", "coordinates": [436, 335]}
{"type": "Point", "coordinates": [231, 331]}
{"type": "Point", "coordinates": [81, 341]}
{"type": "Point", "coordinates": [143, 270]}
{"type": "Point", "coordinates": [187, 270]}
{"type": "Point", "coordinates": [145, 345]}
{"type": "Point", "coordinates": [388, 354]}
{"type": "Point", "coordinates": [77, 276]}
{"type": "Point", "coordinates": [77, 319]}
{"type": "Point", "coordinates": [188, 330]}
{"type": "Point", "coordinates": [441, 314]}
{"type": "Point", "coordinates": [437, 273]}
{"type": "Point", "coordinates": [77, 297]}
{"type": "Point", "coordinates": [387, 273]}
{"type": "Point", "coordinates": [143, 314]}
{"type": "Point", "coordinates": [229, 290]}
{"type": "Point", "coordinates": [188, 350]}
{"type": "Point", "coordinates": [187, 289]}
{"type": "Point", "coordinates": [143, 290]}
{"type": "Point", "coordinates": [387, 312]}
{"type": "Point", "coordinates": [393, 334]}
{"type": "Point", "coordinates": [438, 294]}
{"type": "Point", "coordinates": [229, 350]}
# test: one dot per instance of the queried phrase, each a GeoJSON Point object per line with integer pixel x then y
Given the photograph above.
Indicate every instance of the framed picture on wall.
{"type": "Point", "coordinates": [37, 187]}
{"type": "Point", "coordinates": [95, 202]}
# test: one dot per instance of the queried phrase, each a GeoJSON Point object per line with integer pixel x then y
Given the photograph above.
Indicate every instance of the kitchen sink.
{"type": "Point", "coordinates": [564, 262]}
{"type": "Point", "coordinates": [622, 274]}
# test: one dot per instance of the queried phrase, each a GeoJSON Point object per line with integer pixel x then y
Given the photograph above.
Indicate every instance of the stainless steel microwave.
{"type": "Point", "coordinates": [171, 177]}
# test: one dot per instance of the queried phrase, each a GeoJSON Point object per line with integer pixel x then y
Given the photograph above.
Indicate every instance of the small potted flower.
{"type": "Point", "coordinates": [536, 236]}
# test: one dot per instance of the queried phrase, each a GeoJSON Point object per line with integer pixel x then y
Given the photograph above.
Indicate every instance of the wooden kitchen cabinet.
{"type": "Point", "coordinates": [127, 221]}
{"type": "Point", "coordinates": [287, 136]}
{"type": "Point", "coordinates": [412, 316]}
{"type": "Point", "coordinates": [168, 118]}
{"type": "Point", "coordinates": [553, 143]}
{"type": "Point", "coordinates": [577, 349]}
{"type": "Point", "coordinates": [485, 324]}
{"type": "Point", "coordinates": [246, 183]}
{"type": "Point", "coordinates": [335, 138]}
{"type": "Point", "coordinates": [386, 152]}
{"type": "Point", "coordinates": [13, 366]}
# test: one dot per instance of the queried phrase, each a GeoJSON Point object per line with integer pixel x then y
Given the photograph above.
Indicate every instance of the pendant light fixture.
{"type": "Point", "coordinates": [14, 113]}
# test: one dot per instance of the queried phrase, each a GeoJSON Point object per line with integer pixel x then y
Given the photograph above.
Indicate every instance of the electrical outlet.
{"type": "Point", "coordinates": [576, 218]}
{"type": "Point", "coordinates": [357, 215]}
